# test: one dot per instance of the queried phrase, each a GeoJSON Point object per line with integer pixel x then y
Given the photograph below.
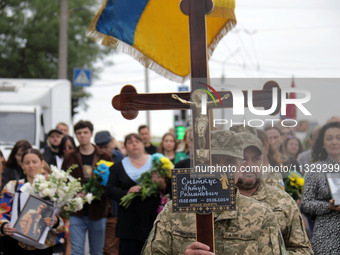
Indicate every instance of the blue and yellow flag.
{"type": "Point", "coordinates": [156, 32]}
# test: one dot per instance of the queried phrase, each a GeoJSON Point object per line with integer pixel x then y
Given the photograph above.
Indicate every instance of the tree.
{"type": "Point", "coordinates": [29, 31]}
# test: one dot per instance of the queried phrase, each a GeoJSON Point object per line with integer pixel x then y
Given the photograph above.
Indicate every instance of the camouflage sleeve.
{"type": "Point", "coordinates": [273, 179]}
{"type": "Point", "coordinates": [269, 236]}
{"type": "Point", "coordinates": [160, 237]}
{"type": "Point", "coordinates": [298, 241]}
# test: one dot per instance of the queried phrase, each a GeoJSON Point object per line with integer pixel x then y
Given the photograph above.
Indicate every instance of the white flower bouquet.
{"type": "Point", "coordinates": [60, 188]}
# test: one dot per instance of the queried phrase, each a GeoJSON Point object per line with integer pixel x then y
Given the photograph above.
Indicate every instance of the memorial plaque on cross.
{"type": "Point", "coordinates": [129, 102]}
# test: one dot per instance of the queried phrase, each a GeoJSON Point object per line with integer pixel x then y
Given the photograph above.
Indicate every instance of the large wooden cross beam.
{"type": "Point", "coordinates": [129, 102]}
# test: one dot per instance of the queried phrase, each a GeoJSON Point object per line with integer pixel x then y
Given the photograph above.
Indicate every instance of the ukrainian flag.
{"type": "Point", "coordinates": [156, 32]}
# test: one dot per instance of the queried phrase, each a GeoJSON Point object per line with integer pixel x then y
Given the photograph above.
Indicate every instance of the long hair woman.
{"type": "Point", "coordinates": [184, 153]}
{"type": "Point", "coordinates": [271, 158]}
{"type": "Point", "coordinates": [276, 140]}
{"type": "Point", "coordinates": [168, 146]}
{"type": "Point", "coordinates": [67, 146]}
{"type": "Point", "coordinates": [317, 199]}
{"type": "Point", "coordinates": [293, 146]}
{"type": "Point", "coordinates": [13, 170]}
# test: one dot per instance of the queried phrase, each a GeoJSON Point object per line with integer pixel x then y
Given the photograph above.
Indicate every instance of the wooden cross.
{"type": "Point", "coordinates": [129, 102]}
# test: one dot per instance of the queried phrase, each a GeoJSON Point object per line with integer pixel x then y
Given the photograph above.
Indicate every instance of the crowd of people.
{"type": "Point", "coordinates": [267, 219]}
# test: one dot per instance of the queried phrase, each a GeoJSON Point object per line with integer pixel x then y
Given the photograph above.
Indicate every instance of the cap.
{"type": "Point", "coordinates": [228, 143]}
{"type": "Point", "coordinates": [249, 139]}
{"type": "Point", "coordinates": [102, 137]}
{"type": "Point", "coordinates": [54, 131]}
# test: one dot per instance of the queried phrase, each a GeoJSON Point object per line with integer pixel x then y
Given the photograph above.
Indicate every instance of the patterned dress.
{"type": "Point", "coordinates": [315, 201]}
{"type": "Point", "coordinates": [55, 235]}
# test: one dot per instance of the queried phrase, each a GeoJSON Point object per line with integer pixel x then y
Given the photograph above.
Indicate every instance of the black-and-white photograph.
{"type": "Point", "coordinates": [334, 185]}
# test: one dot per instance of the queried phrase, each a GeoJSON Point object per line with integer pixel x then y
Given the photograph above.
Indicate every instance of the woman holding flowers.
{"type": "Point", "coordinates": [32, 164]}
{"type": "Point", "coordinates": [316, 199]}
{"type": "Point", "coordinates": [135, 221]}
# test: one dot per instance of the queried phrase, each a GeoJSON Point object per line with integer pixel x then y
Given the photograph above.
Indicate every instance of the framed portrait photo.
{"type": "Point", "coordinates": [30, 222]}
{"type": "Point", "coordinates": [334, 186]}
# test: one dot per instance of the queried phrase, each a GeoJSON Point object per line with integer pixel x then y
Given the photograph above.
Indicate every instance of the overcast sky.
{"type": "Point", "coordinates": [272, 39]}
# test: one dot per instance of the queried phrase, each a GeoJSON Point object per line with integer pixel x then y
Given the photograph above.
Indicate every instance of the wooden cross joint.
{"type": "Point", "coordinates": [186, 4]}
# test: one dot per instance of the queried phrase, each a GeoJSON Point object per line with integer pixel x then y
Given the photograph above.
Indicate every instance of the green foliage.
{"type": "Point", "coordinates": [98, 181]}
{"type": "Point", "coordinates": [294, 185]}
{"type": "Point", "coordinates": [92, 186]}
{"type": "Point", "coordinates": [29, 38]}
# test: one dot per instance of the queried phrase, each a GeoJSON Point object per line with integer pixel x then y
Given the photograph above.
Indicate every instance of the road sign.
{"type": "Point", "coordinates": [81, 77]}
{"type": "Point", "coordinates": [183, 88]}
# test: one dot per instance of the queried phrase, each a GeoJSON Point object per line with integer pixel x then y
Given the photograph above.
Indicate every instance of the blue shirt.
{"type": "Point", "coordinates": [133, 172]}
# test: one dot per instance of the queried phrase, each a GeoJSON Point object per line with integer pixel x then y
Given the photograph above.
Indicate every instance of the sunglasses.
{"type": "Point", "coordinates": [69, 148]}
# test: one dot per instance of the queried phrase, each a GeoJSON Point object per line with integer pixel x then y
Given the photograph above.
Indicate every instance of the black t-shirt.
{"type": "Point", "coordinates": [151, 149]}
{"type": "Point", "coordinates": [87, 165]}
{"type": "Point", "coordinates": [185, 163]}
{"type": "Point", "coordinates": [87, 171]}
{"type": "Point", "coordinates": [50, 156]}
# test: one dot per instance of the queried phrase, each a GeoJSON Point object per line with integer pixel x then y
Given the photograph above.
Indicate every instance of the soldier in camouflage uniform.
{"type": "Point", "coordinates": [283, 205]}
{"type": "Point", "coordinates": [251, 229]}
{"type": "Point", "coordinates": [269, 177]}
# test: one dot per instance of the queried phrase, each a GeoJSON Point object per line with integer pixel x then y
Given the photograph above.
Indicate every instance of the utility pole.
{"type": "Point", "coordinates": [63, 38]}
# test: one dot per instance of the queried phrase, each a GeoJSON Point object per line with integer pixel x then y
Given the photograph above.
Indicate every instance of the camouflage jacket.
{"type": "Point", "coordinates": [273, 179]}
{"type": "Point", "coordinates": [251, 229]}
{"type": "Point", "coordinates": [288, 215]}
